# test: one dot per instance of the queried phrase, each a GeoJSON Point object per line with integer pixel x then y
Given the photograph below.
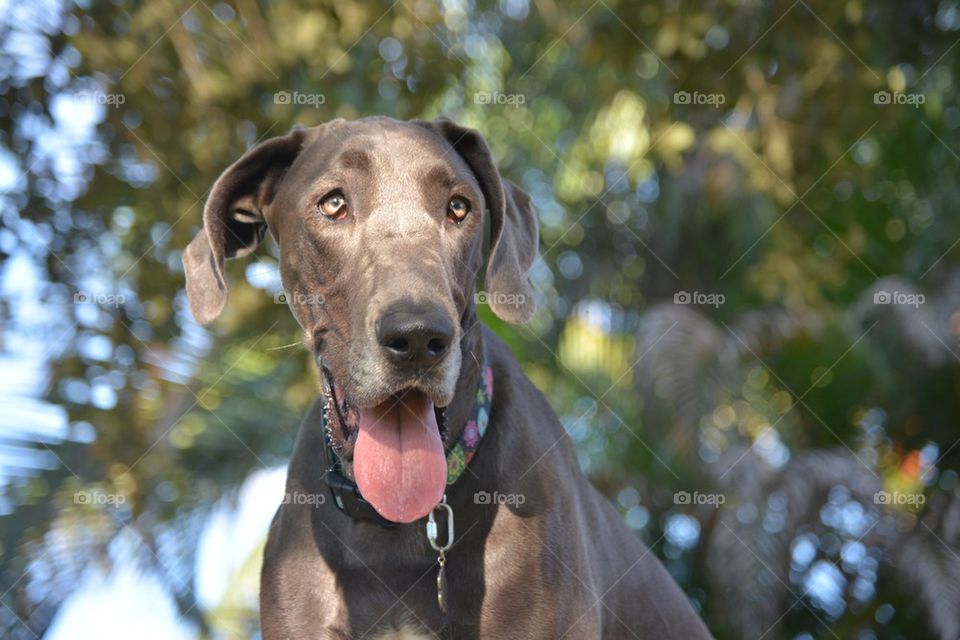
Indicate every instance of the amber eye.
{"type": "Point", "coordinates": [457, 209]}
{"type": "Point", "coordinates": [334, 205]}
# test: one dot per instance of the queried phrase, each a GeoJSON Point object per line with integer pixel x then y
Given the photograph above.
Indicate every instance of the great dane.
{"type": "Point", "coordinates": [425, 425]}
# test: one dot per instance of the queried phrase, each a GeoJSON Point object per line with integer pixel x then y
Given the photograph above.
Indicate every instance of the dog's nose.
{"type": "Point", "coordinates": [415, 335]}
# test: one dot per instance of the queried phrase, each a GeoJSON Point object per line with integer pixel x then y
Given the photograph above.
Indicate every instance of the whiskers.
{"type": "Point", "coordinates": [292, 345]}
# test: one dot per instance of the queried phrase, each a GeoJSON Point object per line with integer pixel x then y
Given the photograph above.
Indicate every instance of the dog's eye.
{"type": "Point", "coordinates": [457, 209]}
{"type": "Point", "coordinates": [333, 205]}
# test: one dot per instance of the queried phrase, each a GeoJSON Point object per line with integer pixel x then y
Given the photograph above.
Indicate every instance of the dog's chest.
{"type": "Point", "coordinates": [405, 632]}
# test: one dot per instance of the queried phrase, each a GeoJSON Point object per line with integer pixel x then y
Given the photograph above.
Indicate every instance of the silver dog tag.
{"type": "Point", "coordinates": [432, 531]}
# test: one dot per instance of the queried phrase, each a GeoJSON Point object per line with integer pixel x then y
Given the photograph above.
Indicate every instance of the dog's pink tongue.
{"type": "Point", "coordinates": [398, 459]}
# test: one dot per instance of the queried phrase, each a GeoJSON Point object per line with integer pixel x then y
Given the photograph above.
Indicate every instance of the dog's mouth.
{"type": "Point", "coordinates": [343, 416]}
{"type": "Point", "coordinates": [399, 461]}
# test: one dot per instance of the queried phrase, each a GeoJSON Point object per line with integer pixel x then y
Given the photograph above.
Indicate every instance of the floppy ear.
{"type": "Point", "coordinates": [514, 233]}
{"type": "Point", "coordinates": [233, 220]}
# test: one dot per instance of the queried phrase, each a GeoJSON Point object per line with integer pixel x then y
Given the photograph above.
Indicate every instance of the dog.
{"type": "Point", "coordinates": [447, 497]}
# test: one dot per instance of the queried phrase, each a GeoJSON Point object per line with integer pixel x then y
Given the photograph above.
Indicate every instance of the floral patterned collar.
{"type": "Point", "coordinates": [346, 494]}
{"type": "Point", "coordinates": [462, 452]}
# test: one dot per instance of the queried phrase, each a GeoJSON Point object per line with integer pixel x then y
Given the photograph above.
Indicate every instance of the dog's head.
{"type": "Point", "coordinates": [381, 230]}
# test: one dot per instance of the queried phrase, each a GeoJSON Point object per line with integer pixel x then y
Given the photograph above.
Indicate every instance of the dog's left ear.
{"type": "Point", "coordinates": [514, 235]}
{"type": "Point", "coordinates": [233, 220]}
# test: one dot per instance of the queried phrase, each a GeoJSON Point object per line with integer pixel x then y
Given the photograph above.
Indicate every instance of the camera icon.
{"type": "Point", "coordinates": [882, 497]}
{"type": "Point", "coordinates": [280, 298]}
{"type": "Point", "coordinates": [482, 298]}
{"type": "Point", "coordinates": [681, 97]}
{"type": "Point", "coordinates": [482, 497]}
{"type": "Point", "coordinates": [681, 497]}
{"type": "Point", "coordinates": [882, 297]}
{"type": "Point", "coordinates": [81, 297]}
{"type": "Point", "coordinates": [882, 97]}
{"type": "Point", "coordinates": [282, 97]}
{"type": "Point", "coordinates": [81, 497]}
{"type": "Point", "coordinates": [481, 97]}
{"type": "Point", "coordinates": [682, 297]}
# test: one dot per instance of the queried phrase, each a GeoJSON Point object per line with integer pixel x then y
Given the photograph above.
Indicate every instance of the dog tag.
{"type": "Point", "coordinates": [442, 585]}
{"type": "Point", "coordinates": [432, 531]}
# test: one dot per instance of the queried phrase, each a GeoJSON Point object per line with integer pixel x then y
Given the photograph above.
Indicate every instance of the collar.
{"type": "Point", "coordinates": [346, 493]}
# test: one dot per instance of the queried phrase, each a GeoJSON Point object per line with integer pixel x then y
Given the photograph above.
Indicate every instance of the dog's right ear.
{"type": "Point", "coordinates": [233, 220]}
